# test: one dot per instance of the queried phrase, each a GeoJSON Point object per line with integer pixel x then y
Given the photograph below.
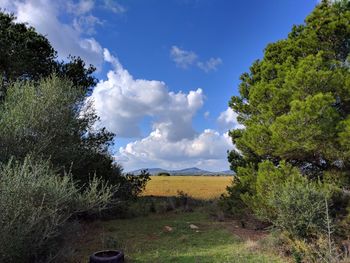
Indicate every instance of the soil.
{"type": "Point", "coordinates": [245, 234]}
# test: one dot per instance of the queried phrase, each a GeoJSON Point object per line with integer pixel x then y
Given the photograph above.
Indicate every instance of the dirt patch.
{"type": "Point", "coordinates": [152, 237]}
{"type": "Point", "coordinates": [245, 233]}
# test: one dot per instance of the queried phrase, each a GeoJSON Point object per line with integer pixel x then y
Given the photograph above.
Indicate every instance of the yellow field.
{"type": "Point", "coordinates": [201, 187]}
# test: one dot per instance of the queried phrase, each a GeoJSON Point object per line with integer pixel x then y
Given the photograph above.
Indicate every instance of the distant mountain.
{"type": "Point", "coordinates": [227, 172]}
{"type": "Point", "coordinates": [186, 171]}
{"type": "Point", "coordinates": [152, 171]}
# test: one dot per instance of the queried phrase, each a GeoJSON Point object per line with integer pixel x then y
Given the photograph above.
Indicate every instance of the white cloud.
{"type": "Point", "coordinates": [207, 150]}
{"type": "Point", "coordinates": [210, 65]}
{"type": "Point", "coordinates": [182, 58]}
{"type": "Point", "coordinates": [6, 4]}
{"type": "Point", "coordinates": [68, 38]}
{"type": "Point", "coordinates": [81, 7]}
{"type": "Point", "coordinates": [228, 120]}
{"type": "Point", "coordinates": [206, 114]}
{"type": "Point", "coordinates": [114, 6]}
{"type": "Point", "coordinates": [86, 24]}
{"type": "Point", "coordinates": [91, 44]}
{"type": "Point", "coordinates": [123, 102]}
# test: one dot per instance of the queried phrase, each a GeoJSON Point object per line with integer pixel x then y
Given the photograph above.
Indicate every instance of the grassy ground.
{"type": "Point", "coordinates": [144, 239]}
{"type": "Point", "coordinates": [200, 187]}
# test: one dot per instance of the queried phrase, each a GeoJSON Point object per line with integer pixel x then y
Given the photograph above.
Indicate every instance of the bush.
{"type": "Point", "coordinates": [36, 205]}
{"type": "Point", "coordinates": [305, 211]}
{"type": "Point", "coordinates": [163, 174]}
{"type": "Point", "coordinates": [243, 182]}
{"type": "Point", "coordinates": [281, 196]}
{"type": "Point", "coordinates": [51, 118]}
{"type": "Point", "coordinates": [268, 179]}
{"type": "Point", "coordinates": [299, 207]}
{"type": "Point", "coordinates": [131, 186]}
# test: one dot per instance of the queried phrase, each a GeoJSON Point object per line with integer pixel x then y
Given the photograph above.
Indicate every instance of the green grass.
{"type": "Point", "coordinates": [143, 239]}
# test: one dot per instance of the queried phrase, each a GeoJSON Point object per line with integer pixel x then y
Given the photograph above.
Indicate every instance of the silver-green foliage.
{"type": "Point", "coordinates": [39, 118]}
{"type": "Point", "coordinates": [300, 207]}
{"type": "Point", "coordinates": [288, 200]}
{"type": "Point", "coordinates": [36, 204]}
{"type": "Point", "coordinates": [51, 119]}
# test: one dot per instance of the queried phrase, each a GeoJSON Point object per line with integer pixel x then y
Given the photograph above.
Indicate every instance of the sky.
{"type": "Point", "coordinates": [166, 69]}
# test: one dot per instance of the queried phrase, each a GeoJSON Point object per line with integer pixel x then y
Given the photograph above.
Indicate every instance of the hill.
{"type": "Point", "coordinates": [193, 171]}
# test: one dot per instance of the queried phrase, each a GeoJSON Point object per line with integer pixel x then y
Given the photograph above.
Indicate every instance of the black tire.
{"type": "Point", "coordinates": [107, 256]}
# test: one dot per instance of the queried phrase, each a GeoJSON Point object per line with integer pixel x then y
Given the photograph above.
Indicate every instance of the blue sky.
{"type": "Point", "coordinates": [167, 68]}
{"type": "Point", "coordinates": [235, 31]}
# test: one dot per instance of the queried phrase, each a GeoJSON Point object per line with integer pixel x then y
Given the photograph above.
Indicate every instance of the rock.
{"type": "Point", "coordinates": [192, 226]}
{"type": "Point", "coordinates": [168, 229]}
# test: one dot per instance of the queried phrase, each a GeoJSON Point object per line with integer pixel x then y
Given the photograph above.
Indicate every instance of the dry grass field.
{"type": "Point", "coordinates": [200, 187]}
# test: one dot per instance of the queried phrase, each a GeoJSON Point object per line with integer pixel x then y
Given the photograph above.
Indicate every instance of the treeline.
{"type": "Point", "coordinates": [293, 163]}
{"type": "Point", "coordinates": [55, 165]}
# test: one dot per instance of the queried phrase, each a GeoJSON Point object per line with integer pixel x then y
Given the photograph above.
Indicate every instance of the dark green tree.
{"type": "Point", "coordinates": [295, 106]}
{"type": "Point", "coordinates": [26, 54]}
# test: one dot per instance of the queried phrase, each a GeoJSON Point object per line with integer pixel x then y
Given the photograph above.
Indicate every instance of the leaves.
{"type": "Point", "coordinates": [295, 106]}
{"type": "Point", "coordinates": [294, 102]}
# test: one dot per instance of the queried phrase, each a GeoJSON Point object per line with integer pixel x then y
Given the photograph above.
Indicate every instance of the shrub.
{"type": "Point", "coordinates": [268, 180]}
{"type": "Point", "coordinates": [163, 174]}
{"type": "Point", "coordinates": [131, 186]}
{"type": "Point", "coordinates": [51, 118]}
{"type": "Point", "coordinates": [281, 196]}
{"type": "Point", "coordinates": [299, 207]}
{"type": "Point", "coordinates": [244, 182]}
{"type": "Point", "coordinates": [36, 205]}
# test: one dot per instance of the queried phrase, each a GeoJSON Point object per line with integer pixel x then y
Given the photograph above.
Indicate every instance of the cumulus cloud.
{"type": "Point", "coordinates": [69, 37]}
{"type": "Point", "coordinates": [210, 65]}
{"type": "Point", "coordinates": [123, 102]}
{"type": "Point", "coordinates": [184, 59]}
{"type": "Point", "coordinates": [206, 150]}
{"type": "Point", "coordinates": [228, 120]}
